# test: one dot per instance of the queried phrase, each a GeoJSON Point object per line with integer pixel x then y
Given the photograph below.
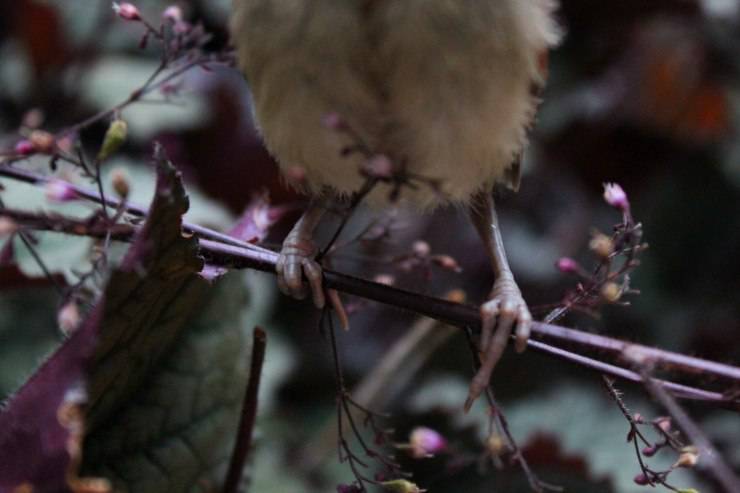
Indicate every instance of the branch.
{"type": "Point", "coordinates": [244, 437]}
{"type": "Point", "coordinates": [463, 315]}
{"type": "Point", "coordinates": [222, 250]}
{"type": "Point", "coordinates": [9, 171]}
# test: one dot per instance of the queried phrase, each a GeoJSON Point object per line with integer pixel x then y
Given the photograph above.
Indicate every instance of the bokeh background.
{"type": "Point", "coordinates": [645, 94]}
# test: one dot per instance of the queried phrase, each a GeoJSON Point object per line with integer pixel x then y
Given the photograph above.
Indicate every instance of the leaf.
{"type": "Point", "coordinates": [148, 298]}
{"type": "Point", "coordinates": [132, 325]}
{"type": "Point", "coordinates": [175, 432]}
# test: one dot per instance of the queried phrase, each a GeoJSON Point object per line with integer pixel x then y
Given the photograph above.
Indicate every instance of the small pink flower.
{"type": "Point", "coordinates": [615, 196]}
{"type": "Point", "coordinates": [60, 191]}
{"type": "Point", "coordinates": [425, 442]}
{"type": "Point", "coordinates": [25, 148]}
{"type": "Point", "coordinates": [567, 265]}
{"type": "Point", "coordinates": [172, 13]}
{"type": "Point", "coordinates": [127, 11]}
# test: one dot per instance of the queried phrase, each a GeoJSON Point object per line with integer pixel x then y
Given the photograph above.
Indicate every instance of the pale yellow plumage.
{"type": "Point", "coordinates": [443, 86]}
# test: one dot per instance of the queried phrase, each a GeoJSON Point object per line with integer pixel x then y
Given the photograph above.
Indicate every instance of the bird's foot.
{"type": "Point", "coordinates": [296, 260]}
{"type": "Point", "coordinates": [503, 312]}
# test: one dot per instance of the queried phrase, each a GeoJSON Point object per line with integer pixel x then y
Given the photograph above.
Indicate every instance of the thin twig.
{"type": "Point", "coordinates": [129, 207]}
{"type": "Point", "coordinates": [367, 187]}
{"type": "Point", "coordinates": [535, 483]}
{"type": "Point", "coordinates": [710, 456]}
{"type": "Point", "coordinates": [248, 418]}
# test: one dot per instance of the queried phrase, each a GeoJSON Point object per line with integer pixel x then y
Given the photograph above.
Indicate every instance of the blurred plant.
{"type": "Point", "coordinates": [616, 256]}
{"type": "Point", "coordinates": [668, 438]}
{"type": "Point", "coordinates": [346, 408]}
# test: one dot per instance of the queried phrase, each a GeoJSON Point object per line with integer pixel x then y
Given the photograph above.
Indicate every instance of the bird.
{"type": "Point", "coordinates": [445, 90]}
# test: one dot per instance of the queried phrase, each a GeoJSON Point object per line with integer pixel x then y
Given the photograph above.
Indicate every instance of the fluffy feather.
{"type": "Point", "coordinates": [442, 86]}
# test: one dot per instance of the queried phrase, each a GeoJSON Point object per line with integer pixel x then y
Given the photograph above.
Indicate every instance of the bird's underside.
{"type": "Point", "coordinates": [445, 98]}
{"type": "Point", "coordinates": [443, 89]}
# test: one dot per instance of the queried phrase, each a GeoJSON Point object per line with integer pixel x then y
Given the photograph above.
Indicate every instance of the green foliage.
{"type": "Point", "coordinates": [174, 432]}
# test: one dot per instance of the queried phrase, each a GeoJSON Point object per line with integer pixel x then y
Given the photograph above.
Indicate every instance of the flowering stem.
{"type": "Point", "coordinates": [710, 457]}
{"type": "Point", "coordinates": [223, 250]}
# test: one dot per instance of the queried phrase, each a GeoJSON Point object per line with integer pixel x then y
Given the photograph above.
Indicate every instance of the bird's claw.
{"type": "Point", "coordinates": [296, 260]}
{"type": "Point", "coordinates": [503, 312]}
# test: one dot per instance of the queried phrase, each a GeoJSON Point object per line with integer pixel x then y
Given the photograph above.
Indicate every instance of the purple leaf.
{"type": "Point", "coordinates": [130, 327]}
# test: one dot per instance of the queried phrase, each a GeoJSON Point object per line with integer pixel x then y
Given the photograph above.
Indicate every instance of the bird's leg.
{"type": "Point", "coordinates": [505, 309]}
{"type": "Point", "coordinates": [297, 258]}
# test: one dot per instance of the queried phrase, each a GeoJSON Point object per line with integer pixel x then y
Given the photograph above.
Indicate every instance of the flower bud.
{"type": "Point", "coordinates": [649, 451]}
{"type": "Point", "coordinates": [601, 245]}
{"type": "Point", "coordinates": [447, 263]}
{"type": "Point", "coordinates": [173, 13]}
{"type": "Point", "coordinates": [68, 318]}
{"type": "Point", "coordinates": [688, 457]}
{"type": "Point", "coordinates": [25, 148]}
{"type": "Point", "coordinates": [42, 141]}
{"type": "Point", "coordinates": [611, 292]}
{"type": "Point", "coordinates": [456, 296]}
{"type": "Point", "coordinates": [615, 196]}
{"type": "Point", "coordinates": [421, 248]}
{"type": "Point", "coordinates": [115, 136]}
{"type": "Point", "coordinates": [495, 445]}
{"type": "Point", "coordinates": [641, 479]}
{"type": "Point", "coordinates": [7, 226]}
{"type": "Point", "coordinates": [567, 265]}
{"type": "Point", "coordinates": [119, 180]}
{"type": "Point", "coordinates": [401, 486]}
{"type": "Point", "coordinates": [664, 423]}
{"type": "Point", "coordinates": [385, 279]}
{"type": "Point", "coordinates": [425, 442]}
{"type": "Point", "coordinates": [59, 191]}
{"type": "Point", "coordinates": [127, 11]}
